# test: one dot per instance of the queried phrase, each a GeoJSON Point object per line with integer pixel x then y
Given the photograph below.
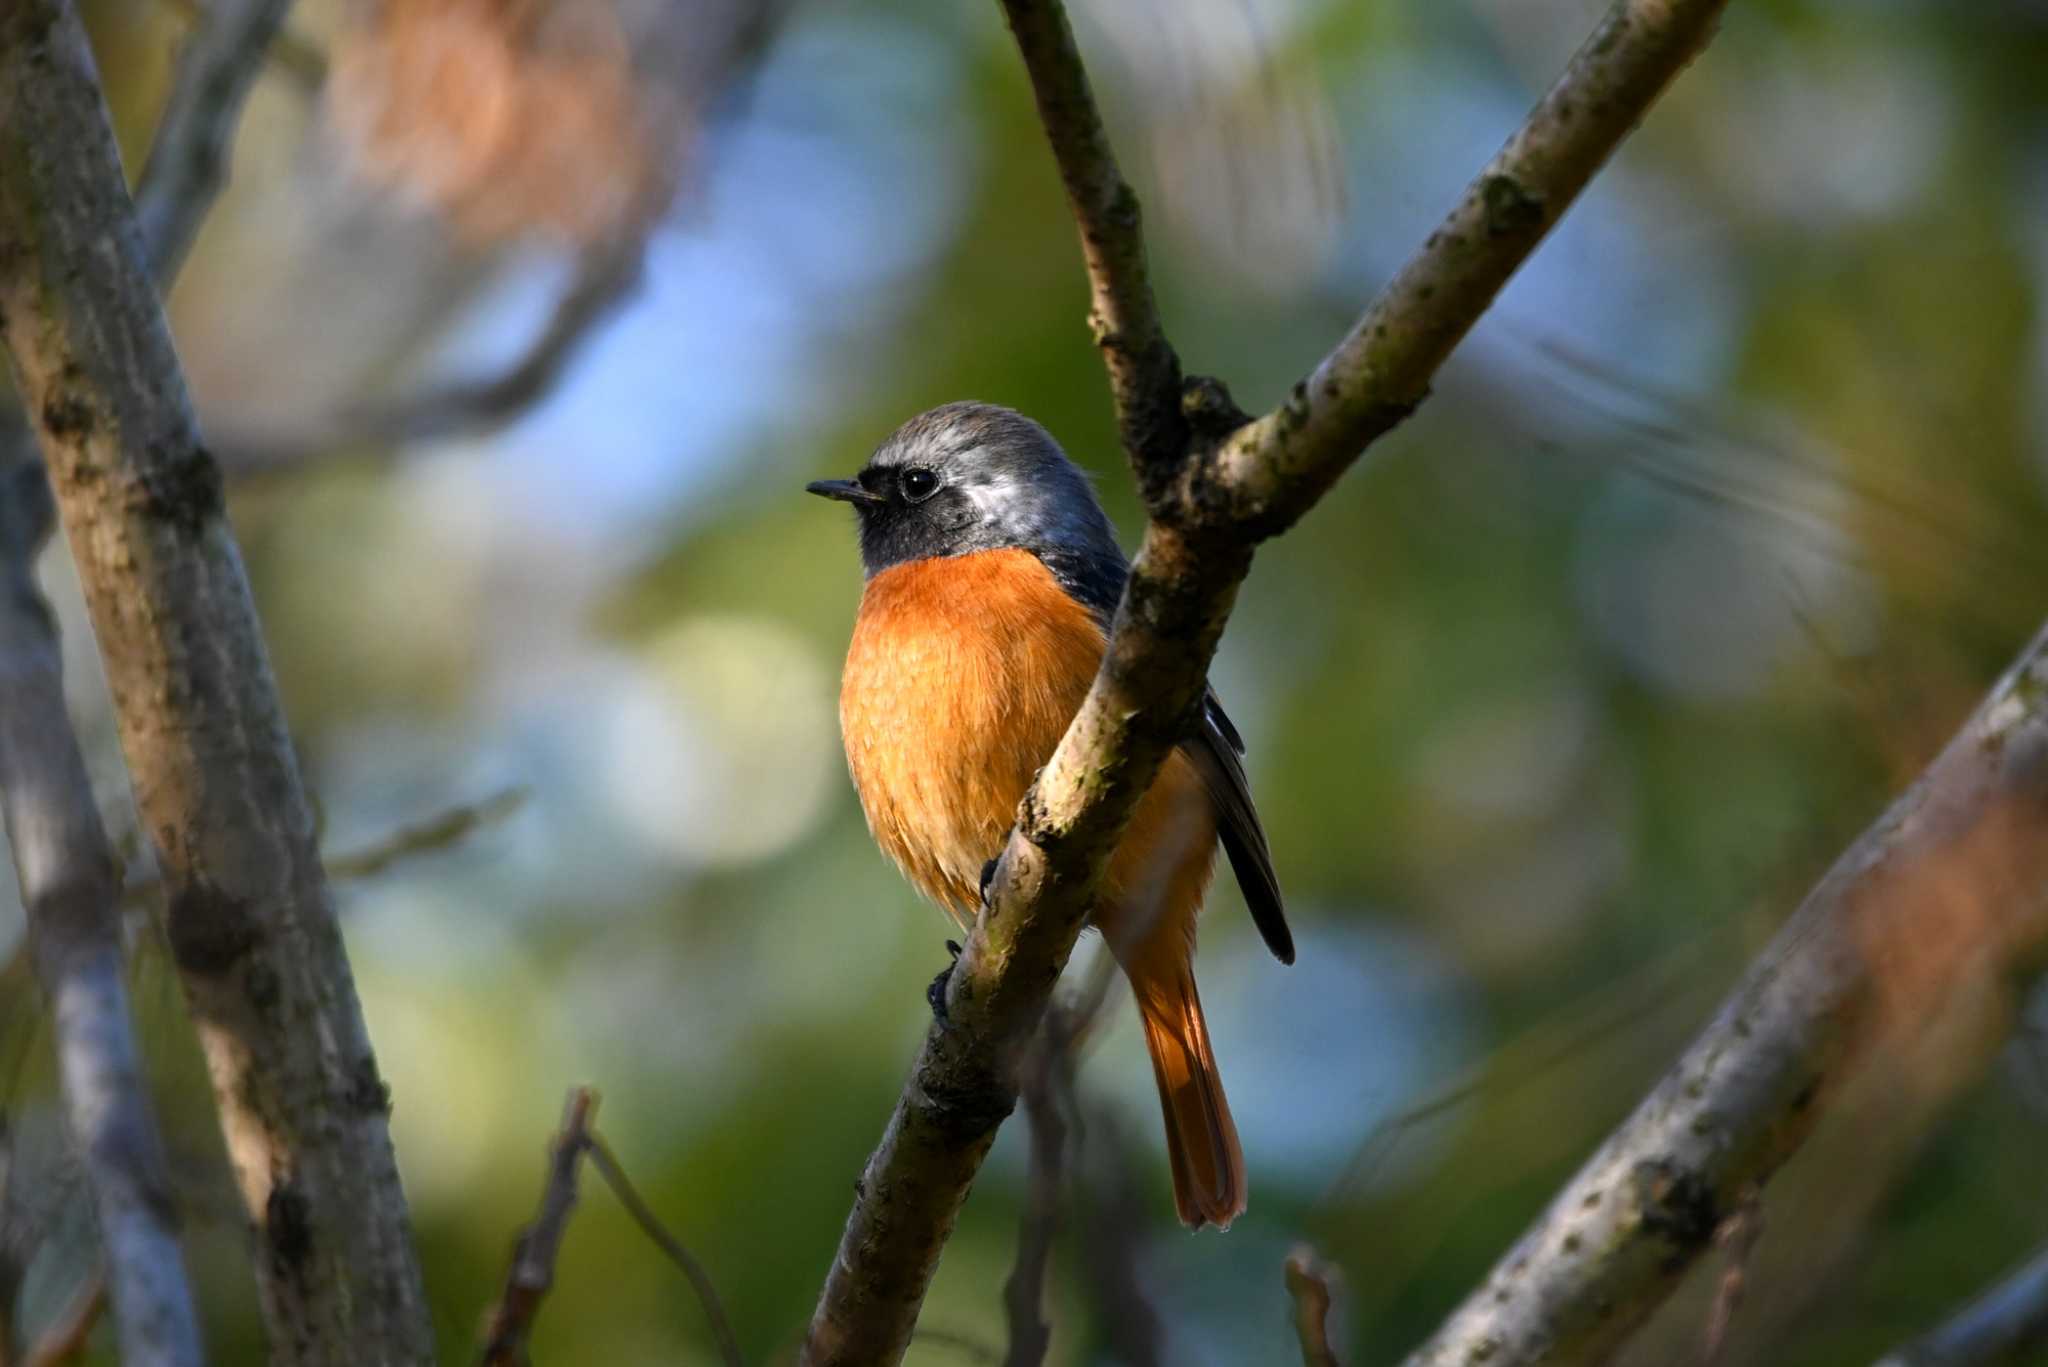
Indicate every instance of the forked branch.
{"type": "Point", "coordinates": [1211, 501]}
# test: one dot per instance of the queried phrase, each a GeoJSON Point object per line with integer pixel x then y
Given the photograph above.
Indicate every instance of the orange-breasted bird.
{"type": "Point", "coordinates": [992, 576]}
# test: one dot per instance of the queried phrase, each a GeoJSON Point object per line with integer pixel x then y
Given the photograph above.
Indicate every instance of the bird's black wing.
{"type": "Point", "coordinates": [1216, 750]}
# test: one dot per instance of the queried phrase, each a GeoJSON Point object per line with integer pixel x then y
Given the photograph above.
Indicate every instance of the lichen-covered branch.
{"type": "Point", "coordinates": [1224, 493]}
{"type": "Point", "coordinates": [71, 889]}
{"type": "Point", "coordinates": [218, 63]}
{"type": "Point", "coordinates": [249, 916]}
{"type": "Point", "coordinates": [1935, 914]}
{"type": "Point", "coordinates": [2004, 1327]}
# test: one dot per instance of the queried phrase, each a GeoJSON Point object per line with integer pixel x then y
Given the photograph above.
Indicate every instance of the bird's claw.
{"type": "Point", "coordinates": [988, 875]}
{"type": "Point", "coordinates": [935, 995]}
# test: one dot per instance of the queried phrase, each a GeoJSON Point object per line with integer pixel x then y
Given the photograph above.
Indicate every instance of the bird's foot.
{"type": "Point", "coordinates": [936, 993]}
{"type": "Point", "coordinates": [988, 876]}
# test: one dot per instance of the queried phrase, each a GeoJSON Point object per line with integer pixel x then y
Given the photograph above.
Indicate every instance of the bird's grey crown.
{"type": "Point", "coordinates": [1003, 482]}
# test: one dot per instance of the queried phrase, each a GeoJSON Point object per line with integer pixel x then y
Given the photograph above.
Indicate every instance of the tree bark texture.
{"type": "Point", "coordinates": [249, 917]}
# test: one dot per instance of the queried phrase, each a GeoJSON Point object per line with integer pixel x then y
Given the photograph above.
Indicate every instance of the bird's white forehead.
{"type": "Point", "coordinates": [938, 442]}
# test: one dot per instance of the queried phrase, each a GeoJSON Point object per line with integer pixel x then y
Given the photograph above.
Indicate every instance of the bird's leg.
{"type": "Point", "coordinates": [936, 993]}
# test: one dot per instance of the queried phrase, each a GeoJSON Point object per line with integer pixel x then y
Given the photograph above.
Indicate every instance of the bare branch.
{"type": "Point", "coordinates": [532, 1272]}
{"type": "Point", "coordinates": [293, 54]}
{"type": "Point", "coordinates": [607, 1165]}
{"type": "Point", "coordinates": [606, 276]}
{"type": "Point", "coordinates": [1308, 1286]}
{"type": "Point", "coordinates": [432, 835]}
{"type": "Point", "coordinates": [70, 887]}
{"type": "Point", "coordinates": [188, 161]}
{"type": "Point", "coordinates": [1270, 472]}
{"type": "Point", "coordinates": [1144, 373]}
{"type": "Point", "coordinates": [2004, 1327]}
{"type": "Point", "coordinates": [1927, 917]}
{"type": "Point", "coordinates": [249, 915]}
{"type": "Point", "coordinates": [1196, 551]}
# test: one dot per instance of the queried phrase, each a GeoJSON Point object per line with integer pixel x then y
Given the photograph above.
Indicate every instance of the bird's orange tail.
{"type": "Point", "coordinates": [1201, 1139]}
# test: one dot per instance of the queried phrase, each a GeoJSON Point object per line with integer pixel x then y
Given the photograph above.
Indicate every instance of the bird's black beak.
{"type": "Point", "coordinates": [844, 490]}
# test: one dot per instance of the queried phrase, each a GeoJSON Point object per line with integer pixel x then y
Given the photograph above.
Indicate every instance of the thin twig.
{"type": "Point", "coordinates": [606, 276]}
{"type": "Point", "coordinates": [431, 836]}
{"type": "Point", "coordinates": [532, 1272]}
{"type": "Point", "coordinates": [188, 161]}
{"type": "Point", "coordinates": [64, 1340]}
{"type": "Point", "coordinates": [2005, 1327]}
{"type": "Point", "coordinates": [1208, 511]}
{"type": "Point", "coordinates": [1309, 1281]}
{"type": "Point", "coordinates": [607, 1165]}
{"type": "Point", "coordinates": [70, 888]}
{"type": "Point", "coordinates": [966, 1345]}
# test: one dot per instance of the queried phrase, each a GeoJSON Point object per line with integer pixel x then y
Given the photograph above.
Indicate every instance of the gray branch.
{"type": "Point", "coordinates": [1225, 486]}
{"type": "Point", "coordinates": [70, 886]}
{"type": "Point", "coordinates": [249, 916]}
{"type": "Point", "coordinates": [1932, 914]}
{"type": "Point", "coordinates": [2007, 1326]}
{"type": "Point", "coordinates": [188, 160]}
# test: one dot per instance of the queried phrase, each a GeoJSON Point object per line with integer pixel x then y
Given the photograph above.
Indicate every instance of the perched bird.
{"type": "Point", "coordinates": [992, 576]}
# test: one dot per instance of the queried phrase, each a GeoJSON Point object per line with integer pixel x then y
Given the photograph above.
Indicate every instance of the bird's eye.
{"type": "Point", "coordinates": [919, 484]}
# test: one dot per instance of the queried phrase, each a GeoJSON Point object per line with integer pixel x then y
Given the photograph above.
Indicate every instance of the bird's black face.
{"type": "Point", "coordinates": [970, 477]}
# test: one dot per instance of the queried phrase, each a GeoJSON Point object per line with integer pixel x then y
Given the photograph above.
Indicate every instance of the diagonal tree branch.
{"type": "Point", "coordinates": [71, 889]}
{"type": "Point", "coordinates": [2004, 1327]}
{"type": "Point", "coordinates": [1932, 915]}
{"type": "Point", "coordinates": [249, 916]}
{"type": "Point", "coordinates": [1207, 512]}
{"type": "Point", "coordinates": [607, 274]}
{"type": "Point", "coordinates": [188, 161]}
{"type": "Point", "coordinates": [1270, 472]}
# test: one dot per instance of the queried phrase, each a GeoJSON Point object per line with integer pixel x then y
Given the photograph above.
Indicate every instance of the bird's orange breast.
{"type": "Point", "coordinates": [963, 674]}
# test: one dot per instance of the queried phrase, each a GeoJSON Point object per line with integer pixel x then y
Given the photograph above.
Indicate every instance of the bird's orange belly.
{"type": "Point", "coordinates": [963, 674]}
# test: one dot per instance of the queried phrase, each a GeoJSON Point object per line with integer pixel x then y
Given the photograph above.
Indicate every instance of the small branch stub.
{"type": "Point", "coordinates": [1309, 1285]}
{"type": "Point", "coordinates": [532, 1273]}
